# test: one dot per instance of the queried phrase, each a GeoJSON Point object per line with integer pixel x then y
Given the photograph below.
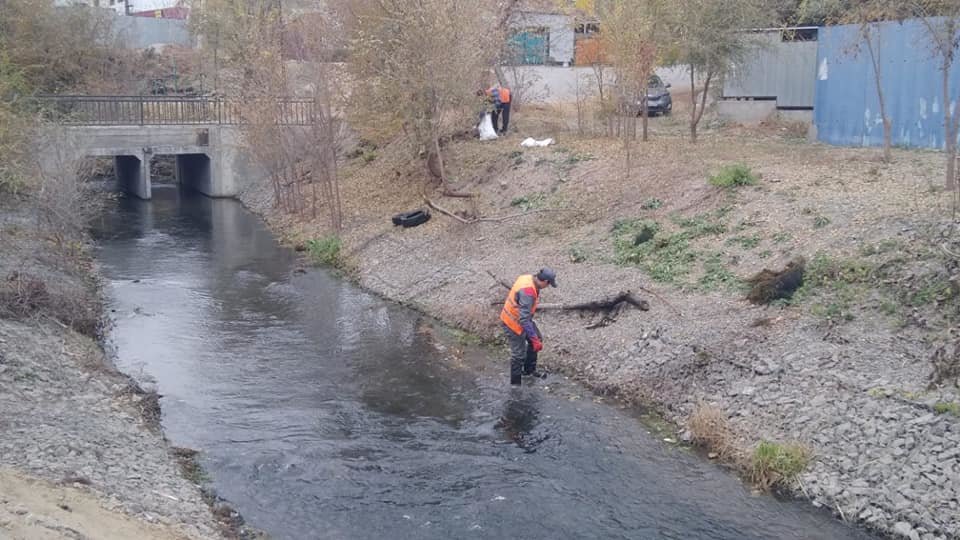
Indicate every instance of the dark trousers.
{"type": "Point", "coordinates": [504, 110]}
{"type": "Point", "coordinates": [523, 359]}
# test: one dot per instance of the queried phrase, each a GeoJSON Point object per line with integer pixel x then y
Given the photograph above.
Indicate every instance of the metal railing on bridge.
{"type": "Point", "coordinates": [174, 110]}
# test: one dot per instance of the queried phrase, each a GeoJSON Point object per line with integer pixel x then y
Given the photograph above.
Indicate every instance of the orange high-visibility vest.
{"type": "Point", "coordinates": [510, 314]}
{"type": "Point", "coordinates": [504, 94]}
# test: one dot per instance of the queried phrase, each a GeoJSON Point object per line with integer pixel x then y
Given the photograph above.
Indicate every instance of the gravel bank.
{"type": "Point", "coordinates": [74, 429]}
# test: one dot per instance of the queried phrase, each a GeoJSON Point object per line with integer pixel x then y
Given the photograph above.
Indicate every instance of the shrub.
{"type": "Point", "coordinates": [325, 251]}
{"type": "Point", "coordinates": [651, 204]}
{"type": "Point", "coordinates": [710, 429]}
{"type": "Point", "coordinates": [776, 464]}
{"type": "Point", "coordinates": [732, 176]}
{"type": "Point", "coordinates": [578, 254]}
{"type": "Point", "coordinates": [947, 407]}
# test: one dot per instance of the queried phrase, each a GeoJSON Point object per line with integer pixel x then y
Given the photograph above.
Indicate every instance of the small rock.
{"type": "Point", "coordinates": [903, 529]}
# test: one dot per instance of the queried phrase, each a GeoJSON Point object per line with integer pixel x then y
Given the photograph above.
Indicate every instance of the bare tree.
{"type": "Point", "coordinates": [628, 31]}
{"type": "Point", "coordinates": [250, 41]}
{"type": "Point", "coordinates": [941, 19]}
{"type": "Point", "coordinates": [711, 36]}
{"type": "Point", "coordinates": [419, 62]}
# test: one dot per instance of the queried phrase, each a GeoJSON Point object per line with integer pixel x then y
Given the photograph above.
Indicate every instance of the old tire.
{"type": "Point", "coordinates": [411, 219]}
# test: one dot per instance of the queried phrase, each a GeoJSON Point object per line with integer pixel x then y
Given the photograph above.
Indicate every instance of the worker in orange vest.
{"type": "Point", "coordinates": [501, 106]}
{"type": "Point", "coordinates": [523, 336]}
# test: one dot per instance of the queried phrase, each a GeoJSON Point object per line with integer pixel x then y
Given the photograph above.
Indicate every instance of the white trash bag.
{"type": "Point", "coordinates": [487, 132]}
{"type": "Point", "coordinates": [530, 142]}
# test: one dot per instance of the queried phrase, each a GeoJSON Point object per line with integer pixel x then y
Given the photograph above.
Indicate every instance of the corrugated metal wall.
{"type": "Point", "coordinates": [784, 70]}
{"type": "Point", "coordinates": [847, 108]}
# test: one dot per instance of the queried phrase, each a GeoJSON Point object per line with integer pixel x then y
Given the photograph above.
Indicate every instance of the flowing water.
{"type": "Point", "coordinates": [322, 411]}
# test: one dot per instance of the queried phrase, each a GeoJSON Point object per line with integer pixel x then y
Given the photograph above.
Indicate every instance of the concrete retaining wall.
{"type": "Point", "coordinates": [210, 159]}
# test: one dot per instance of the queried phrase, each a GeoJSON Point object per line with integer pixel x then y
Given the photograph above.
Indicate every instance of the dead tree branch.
{"type": "Point", "coordinates": [609, 307]}
{"type": "Point", "coordinates": [497, 219]}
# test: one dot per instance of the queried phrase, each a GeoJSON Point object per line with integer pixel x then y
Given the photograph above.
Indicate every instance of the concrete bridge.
{"type": "Point", "coordinates": [203, 134]}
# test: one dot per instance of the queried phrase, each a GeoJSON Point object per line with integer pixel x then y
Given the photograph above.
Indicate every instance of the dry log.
{"type": "Point", "coordinates": [497, 219]}
{"type": "Point", "coordinates": [610, 307]}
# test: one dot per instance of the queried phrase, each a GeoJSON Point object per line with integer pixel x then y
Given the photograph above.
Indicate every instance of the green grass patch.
{"type": "Point", "coordinates": [835, 286]}
{"type": "Point", "coordinates": [665, 258]}
{"type": "Point", "coordinates": [732, 176]}
{"type": "Point", "coordinates": [820, 222]}
{"type": "Point", "coordinates": [701, 225]}
{"type": "Point", "coordinates": [716, 276]}
{"type": "Point", "coordinates": [775, 464]}
{"type": "Point", "coordinates": [947, 407]}
{"type": "Point", "coordinates": [325, 251]}
{"type": "Point", "coordinates": [529, 202]}
{"type": "Point", "coordinates": [781, 237]}
{"type": "Point", "coordinates": [651, 204]}
{"type": "Point", "coordinates": [745, 241]}
{"type": "Point", "coordinates": [578, 254]}
{"type": "Point", "coordinates": [930, 293]}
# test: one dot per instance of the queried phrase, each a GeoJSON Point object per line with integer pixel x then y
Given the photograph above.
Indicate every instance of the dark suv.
{"type": "Point", "coordinates": [658, 98]}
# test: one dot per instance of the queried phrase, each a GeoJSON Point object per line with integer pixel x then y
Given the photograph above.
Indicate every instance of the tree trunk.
{"type": "Point", "coordinates": [703, 99]}
{"type": "Point", "coordinates": [646, 115]}
{"type": "Point", "coordinates": [949, 126]}
{"type": "Point", "coordinates": [878, 81]}
{"type": "Point", "coordinates": [693, 105]}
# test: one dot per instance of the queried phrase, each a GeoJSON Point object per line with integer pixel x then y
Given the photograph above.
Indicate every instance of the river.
{"type": "Point", "coordinates": [322, 411]}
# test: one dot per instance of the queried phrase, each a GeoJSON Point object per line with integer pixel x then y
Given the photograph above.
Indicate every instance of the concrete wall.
{"type": "Point", "coordinates": [212, 158]}
{"type": "Point", "coordinates": [143, 32]}
{"type": "Point", "coordinates": [560, 27]}
{"type": "Point", "coordinates": [133, 175]}
{"type": "Point", "coordinates": [746, 112]}
{"type": "Point", "coordinates": [555, 84]}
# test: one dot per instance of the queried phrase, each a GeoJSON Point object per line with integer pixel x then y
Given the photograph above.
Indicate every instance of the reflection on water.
{"type": "Point", "coordinates": [323, 412]}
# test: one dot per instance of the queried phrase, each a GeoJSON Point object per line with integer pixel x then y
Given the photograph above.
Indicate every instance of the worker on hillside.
{"type": "Point", "coordinates": [500, 95]}
{"type": "Point", "coordinates": [523, 336]}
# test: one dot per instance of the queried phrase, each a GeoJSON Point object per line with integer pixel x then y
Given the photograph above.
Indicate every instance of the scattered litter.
{"type": "Point", "coordinates": [531, 142]}
{"type": "Point", "coordinates": [669, 440]}
{"type": "Point", "coordinates": [499, 498]}
{"type": "Point", "coordinates": [487, 133]}
{"type": "Point", "coordinates": [406, 517]}
{"type": "Point", "coordinates": [713, 455]}
{"type": "Point", "coordinates": [171, 497]}
{"type": "Point", "coordinates": [475, 527]}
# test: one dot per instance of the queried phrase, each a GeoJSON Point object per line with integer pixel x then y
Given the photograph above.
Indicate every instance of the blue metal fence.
{"type": "Point", "coordinates": [847, 110]}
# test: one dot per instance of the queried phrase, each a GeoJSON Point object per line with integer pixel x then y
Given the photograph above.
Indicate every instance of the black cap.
{"type": "Point", "coordinates": [548, 275]}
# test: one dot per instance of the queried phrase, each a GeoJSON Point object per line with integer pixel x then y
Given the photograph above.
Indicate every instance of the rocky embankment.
{"type": "Point", "coordinates": [81, 451]}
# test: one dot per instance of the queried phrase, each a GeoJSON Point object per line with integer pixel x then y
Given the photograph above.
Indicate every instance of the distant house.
{"type": "Point", "coordinates": [540, 34]}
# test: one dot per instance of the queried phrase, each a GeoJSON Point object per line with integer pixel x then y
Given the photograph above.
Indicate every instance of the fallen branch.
{"type": "Point", "coordinates": [497, 219]}
{"type": "Point", "coordinates": [611, 306]}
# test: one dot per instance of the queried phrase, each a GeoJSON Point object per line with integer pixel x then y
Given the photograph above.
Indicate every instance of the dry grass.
{"type": "Point", "coordinates": [711, 430]}
{"type": "Point", "coordinates": [769, 466]}
{"type": "Point", "coordinates": [26, 296]}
